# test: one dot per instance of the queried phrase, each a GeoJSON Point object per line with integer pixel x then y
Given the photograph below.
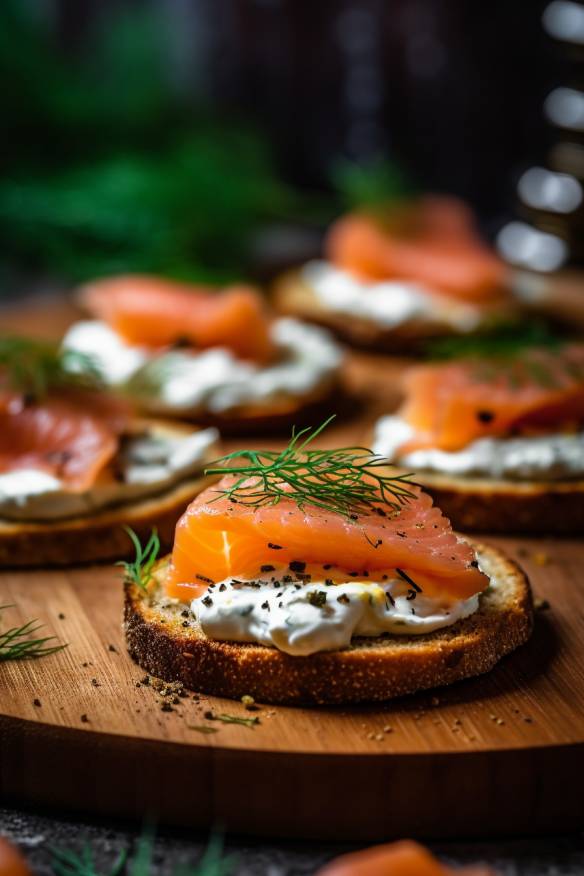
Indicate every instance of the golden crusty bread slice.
{"type": "Point", "coordinates": [100, 536]}
{"type": "Point", "coordinates": [501, 506]}
{"type": "Point", "coordinates": [170, 644]}
{"type": "Point", "coordinates": [292, 296]}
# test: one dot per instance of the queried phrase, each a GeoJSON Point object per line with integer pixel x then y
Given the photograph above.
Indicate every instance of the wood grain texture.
{"type": "Point", "coordinates": [494, 755]}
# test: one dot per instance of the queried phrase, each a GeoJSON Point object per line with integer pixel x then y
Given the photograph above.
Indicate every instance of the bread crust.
{"type": "Point", "coordinates": [523, 508]}
{"type": "Point", "coordinates": [100, 536]}
{"type": "Point", "coordinates": [371, 669]}
{"type": "Point", "coordinates": [292, 296]}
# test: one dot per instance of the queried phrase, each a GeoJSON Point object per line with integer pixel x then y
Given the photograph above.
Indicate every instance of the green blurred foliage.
{"type": "Point", "coordinates": [105, 169]}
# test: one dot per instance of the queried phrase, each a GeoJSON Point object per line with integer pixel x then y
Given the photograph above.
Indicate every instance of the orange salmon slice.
{"type": "Point", "coordinates": [405, 858]}
{"type": "Point", "coordinates": [450, 405]}
{"type": "Point", "coordinates": [158, 313]}
{"type": "Point", "coordinates": [217, 539]}
{"type": "Point", "coordinates": [72, 437]}
{"type": "Point", "coordinates": [432, 241]}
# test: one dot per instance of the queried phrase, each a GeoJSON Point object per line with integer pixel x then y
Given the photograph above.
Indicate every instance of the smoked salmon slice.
{"type": "Point", "coordinates": [72, 437]}
{"type": "Point", "coordinates": [217, 538]}
{"type": "Point", "coordinates": [431, 241]}
{"type": "Point", "coordinates": [405, 858]}
{"type": "Point", "coordinates": [449, 405]}
{"type": "Point", "coordinates": [158, 313]}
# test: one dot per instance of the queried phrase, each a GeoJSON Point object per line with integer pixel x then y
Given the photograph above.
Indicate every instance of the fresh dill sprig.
{"type": "Point", "coordinates": [16, 643]}
{"type": "Point", "coordinates": [67, 863]}
{"type": "Point", "coordinates": [346, 481]}
{"type": "Point", "coordinates": [33, 366]}
{"type": "Point", "coordinates": [213, 862]}
{"type": "Point", "coordinates": [139, 570]}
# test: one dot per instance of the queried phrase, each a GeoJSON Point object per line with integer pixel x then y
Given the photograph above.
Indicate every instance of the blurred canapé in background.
{"type": "Point", "coordinates": [214, 139]}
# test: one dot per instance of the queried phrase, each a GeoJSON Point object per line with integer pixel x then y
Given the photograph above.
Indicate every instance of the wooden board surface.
{"type": "Point", "coordinates": [497, 754]}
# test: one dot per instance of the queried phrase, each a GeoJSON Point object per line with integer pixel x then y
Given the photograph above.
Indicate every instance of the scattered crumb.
{"type": "Point", "coordinates": [248, 701]}
{"type": "Point", "coordinates": [379, 737]}
{"type": "Point", "coordinates": [371, 736]}
{"type": "Point", "coordinates": [166, 707]}
{"type": "Point", "coordinates": [36, 702]}
{"type": "Point", "coordinates": [527, 719]}
{"type": "Point", "coordinates": [61, 616]}
{"type": "Point", "coordinates": [435, 701]}
{"type": "Point", "coordinates": [541, 604]}
{"type": "Point", "coordinates": [95, 682]}
{"type": "Point", "coordinates": [388, 729]}
{"type": "Point", "coordinates": [541, 558]}
{"type": "Point", "coordinates": [112, 648]}
{"type": "Point", "coordinates": [84, 719]}
{"type": "Point", "coordinates": [499, 721]}
{"type": "Point", "coordinates": [457, 721]}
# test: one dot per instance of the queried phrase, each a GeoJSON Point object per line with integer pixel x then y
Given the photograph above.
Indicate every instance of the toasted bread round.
{"type": "Point", "coordinates": [520, 507]}
{"type": "Point", "coordinates": [376, 668]}
{"type": "Point", "coordinates": [99, 536]}
{"type": "Point", "coordinates": [292, 296]}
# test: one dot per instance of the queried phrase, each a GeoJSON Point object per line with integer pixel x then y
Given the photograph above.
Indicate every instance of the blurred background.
{"type": "Point", "coordinates": [213, 139]}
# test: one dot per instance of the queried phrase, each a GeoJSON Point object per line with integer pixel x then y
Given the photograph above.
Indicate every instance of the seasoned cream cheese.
{"type": "Point", "coordinates": [146, 465]}
{"type": "Point", "coordinates": [542, 457]}
{"type": "Point", "coordinates": [390, 303]}
{"type": "Point", "coordinates": [302, 619]}
{"type": "Point", "coordinates": [214, 380]}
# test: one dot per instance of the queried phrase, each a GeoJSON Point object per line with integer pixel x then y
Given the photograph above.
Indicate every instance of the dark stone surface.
{"type": "Point", "coordinates": [36, 834]}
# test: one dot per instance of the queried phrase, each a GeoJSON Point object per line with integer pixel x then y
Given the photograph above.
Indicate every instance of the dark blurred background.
{"type": "Point", "coordinates": [211, 138]}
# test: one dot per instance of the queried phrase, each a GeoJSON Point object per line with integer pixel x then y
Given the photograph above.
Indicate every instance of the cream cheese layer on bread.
{"type": "Point", "coordinates": [388, 303]}
{"type": "Point", "coordinates": [550, 457]}
{"type": "Point", "coordinates": [147, 463]}
{"type": "Point", "coordinates": [214, 379]}
{"type": "Point", "coordinates": [302, 619]}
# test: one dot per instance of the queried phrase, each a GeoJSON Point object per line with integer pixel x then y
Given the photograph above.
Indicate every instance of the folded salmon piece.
{"type": "Point", "coordinates": [450, 405]}
{"type": "Point", "coordinates": [218, 538]}
{"type": "Point", "coordinates": [405, 858]}
{"type": "Point", "coordinates": [72, 436]}
{"type": "Point", "coordinates": [154, 312]}
{"type": "Point", "coordinates": [431, 241]}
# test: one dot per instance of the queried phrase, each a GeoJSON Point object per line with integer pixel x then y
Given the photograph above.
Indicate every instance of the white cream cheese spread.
{"type": "Point", "coordinates": [301, 619]}
{"type": "Point", "coordinates": [214, 380]}
{"type": "Point", "coordinates": [542, 457]}
{"type": "Point", "coordinates": [389, 303]}
{"type": "Point", "coordinates": [146, 464]}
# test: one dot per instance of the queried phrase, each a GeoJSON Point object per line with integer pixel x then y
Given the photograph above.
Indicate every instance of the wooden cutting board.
{"type": "Point", "coordinates": [499, 754]}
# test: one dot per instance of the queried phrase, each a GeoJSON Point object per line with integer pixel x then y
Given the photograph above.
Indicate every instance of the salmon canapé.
{"type": "Point", "coordinates": [72, 436]}
{"type": "Point", "coordinates": [405, 858]}
{"type": "Point", "coordinates": [218, 538]}
{"type": "Point", "coordinates": [431, 241]}
{"type": "Point", "coordinates": [157, 313]}
{"type": "Point", "coordinates": [452, 404]}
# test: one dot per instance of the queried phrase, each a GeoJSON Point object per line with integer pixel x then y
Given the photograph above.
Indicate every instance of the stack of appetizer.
{"type": "Point", "coordinates": [214, 357]}
{"type": "Point", "coordinates": [320, 576]}
{"type": "Point", "coordinates": [497, 440]}
{"type": "Point", "coordinates": [393, 277]}
{"type": "Point", "coordinates": [76, 464]}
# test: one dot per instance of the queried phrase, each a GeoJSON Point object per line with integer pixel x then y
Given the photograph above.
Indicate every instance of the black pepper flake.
{"type": "Point", "coordinates": [185, 613]}
{"type": "Point", "coordinates": [411, 595]}
{"type": "Point", "coordinates": [274, 547]}
{"type": "Point", "coordinates": [297, 566]}
{"type": "Point", "coordinates": [207, 601]}
{"type": "Point", "coordinates": [205, 579]}
{"type": "Point", "coordinates": [267, 568]}
{"type": "Point", "coordinates": [343, 599]}
{"type": "Point", "coordinates": [485, 416]}
{"type": "Point", "coordinates": [389, 597]}
{"type": "Point", "coordinates": [409, 580]}
{"type": "Point", "coordinates": [329, 582]}
{"type": "Point", "coordinates": [36, 702]}
{"type": "Point", "coordinates": [266, 605]}
{"type": "Point", "coordinates": [95, 682]}
{"type": "Point", "coordinates": [317, 598]}
{"type": "Point", "coordinates": [222, 587]}
{"type": "Point", "coordinates": [354, 516]}
{"type": "Point", "coordinates": [327, 566]}
{"type": "Point", "coordinates": [474, 564]}
{"type": "Point", "coordinates": [353, 574]}
{"type": "Point", "coordinates": [185, 623]}
{"type": "Point", "coordinates": [401, 534]}
{"type": "Point", "coordinates": [381, 512]}
{"type": "Point", "coordinates": [112, 648]}
{"type": "Point", "coordinates": [84, 719]}
{"type": "Point", "coordinates": [61, 616]}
